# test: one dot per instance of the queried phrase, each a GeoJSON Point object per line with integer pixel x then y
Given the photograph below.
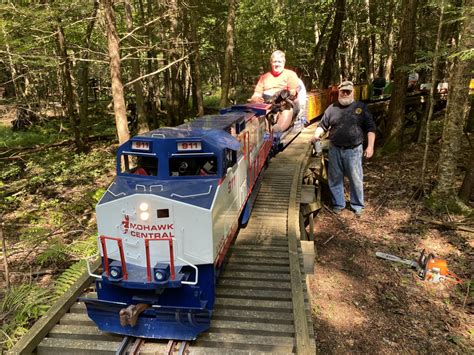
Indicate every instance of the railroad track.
{"type": "Point", "coordinates": [262, 304]}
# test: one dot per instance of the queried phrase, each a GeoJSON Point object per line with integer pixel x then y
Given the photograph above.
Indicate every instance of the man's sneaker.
{"type": "Point", "coordinates": [359, 213]}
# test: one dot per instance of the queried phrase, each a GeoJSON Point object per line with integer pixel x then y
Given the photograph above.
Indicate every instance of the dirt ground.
{"type": "Point", "coordinates": [362, 304]}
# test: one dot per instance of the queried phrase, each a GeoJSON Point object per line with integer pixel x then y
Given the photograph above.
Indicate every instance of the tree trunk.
{"type": "Point", "coordinates": [467, 187]}
{"type": "Point", "coordinates": [16, 89]}
{"type": "Point", "coordinates": [373, 25]}
{"type": "Point", "coordinates": [470, 118]}
{"type": "Point", "coordinates": [354, 59]}
{"type": "Point", "coordinates": [327, 72]}
{"type": "Point", "coordinates": [365, 44]}
{"type": "Point", "coordinates": [316, 63]}
{"type": "Point", "coordinates": [84, 75]}
{"type": "Point", "coordinates": [152, 93]}
{"type": "Point", "coordinates": [405, 54]}
{"type": "Point", "coordinates": [70, 98]}
{"type": "Point", "coordinates": [456, 112]}
{"type": "Point", "coordinates": [142, 123]}
{"type": "Point", "coordinates": [434, 82]}
{"type": "Point", "coordinates": [115, 75]}
{"type": "Point", "coordinates": [173, 93]}
{"type": "Point", "coordinates": [229, 52]}
{"type": "Point", "coordinates": [387, 39]}
{"type": "Point", "coordinates": [195, 63]}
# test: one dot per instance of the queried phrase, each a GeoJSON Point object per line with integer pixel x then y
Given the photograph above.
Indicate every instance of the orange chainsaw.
{"type": "Point", "coordinates": [428, 267]}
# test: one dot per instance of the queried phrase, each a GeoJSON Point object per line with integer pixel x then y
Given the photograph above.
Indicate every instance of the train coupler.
{"type": "Point", "coordinates": [129, 315]}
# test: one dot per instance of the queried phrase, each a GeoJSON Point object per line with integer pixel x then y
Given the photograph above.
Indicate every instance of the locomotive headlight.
{"type": "Point", "coordinates": [115, 272]}
{"type": "Point", "coordinates": [144, 216]}
{"type": "Point", "coordinates": [160, 275]}
{"type": "Point", "coordinates": [143, 206]}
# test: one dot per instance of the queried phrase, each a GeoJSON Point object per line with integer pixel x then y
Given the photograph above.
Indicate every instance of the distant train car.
{"type": "Point", "coordinates": [318, 100]}
{"type": "Point", "coordinates": [168, 218]}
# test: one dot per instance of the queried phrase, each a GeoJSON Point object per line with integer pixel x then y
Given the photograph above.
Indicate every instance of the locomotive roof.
{"type": "Point", "coordinates": [199, 127]}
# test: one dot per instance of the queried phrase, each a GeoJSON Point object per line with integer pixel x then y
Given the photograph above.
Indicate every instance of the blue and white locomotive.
{"type": "Point", "coordinates": [169, 217]}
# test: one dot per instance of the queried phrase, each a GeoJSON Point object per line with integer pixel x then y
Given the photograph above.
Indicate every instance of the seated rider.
{"type": "Point", "coordinates": [272, 83]}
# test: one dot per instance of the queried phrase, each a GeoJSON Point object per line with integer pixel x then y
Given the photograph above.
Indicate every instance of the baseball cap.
{"type": "Point", "coordinates": [346, 85]}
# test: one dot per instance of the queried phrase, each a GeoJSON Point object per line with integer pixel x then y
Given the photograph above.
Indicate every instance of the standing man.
{"type": "Point", "coordinates": [348, 122]}
{"type": "Point", "coordinates": [272, 83]}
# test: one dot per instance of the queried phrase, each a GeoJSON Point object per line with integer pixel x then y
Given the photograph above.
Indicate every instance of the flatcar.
{"type": "Point", "coordinates": [169, 217]}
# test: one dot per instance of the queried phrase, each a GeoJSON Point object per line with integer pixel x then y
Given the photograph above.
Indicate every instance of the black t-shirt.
{"type": "Point", "coordinates": [347, 125]}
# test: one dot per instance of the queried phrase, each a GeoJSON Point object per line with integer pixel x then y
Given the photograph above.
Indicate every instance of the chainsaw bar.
{"type": "Point", "coordinates": [414, 264]}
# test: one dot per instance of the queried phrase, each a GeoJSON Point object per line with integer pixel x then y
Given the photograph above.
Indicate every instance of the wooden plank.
{"type": "Point", "coordinates": [264, 261]}
{"type": "Point", "coordinates": [260, 254]}
{"type": "Point", "coordinates": [247, 339]}
{"type": "Point", "coordinates": [205, 350]}
{"type": "Point", "coordinates": [76, 319]}
{"type": "Point", "coordinates": [40, 329]}
{"type": "Point", "coordinates": [264, 248]}
{"type": "Point", "coordinates": [265, 284]}
{"type": "Point", "coordinates": [255, 275]}
{"type": "Point", "coordinates": [78, 307]}
{"type": "Point", "coordinates": [82, 332]}
{"type": "Point", "coordinates": [303, 344]}
{"type": "Point", "coordinates": [255, 327]}
{"type": "Point", "coordinates": [307, 247]}
{"type": "Point", "coordinates": [276, 204]}
{"type": "Point", "coordinates": [258, 268]}
{"type": "Point", "coordinates": [270, 317]}
{"type": "Point", "coordinates": [261, 238]}
{"type": "Point", "coordinates": [52, 346]}
{"type": "Point", "coordinates": [254, 293]}
{"type": "Point", "coordinates": [272, 234]}
{"type": "Point", "coordinates": [245, 303]}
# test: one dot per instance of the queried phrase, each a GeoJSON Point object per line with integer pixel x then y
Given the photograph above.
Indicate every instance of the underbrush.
{"type": "Point", "coordinates": [54, 129]}
{"type": "Point", "coordinates": [47, 200]}
{"type": "Point", "coordinates": [21, 305]}
{"type": "Point", "coordinates": [37, 135]}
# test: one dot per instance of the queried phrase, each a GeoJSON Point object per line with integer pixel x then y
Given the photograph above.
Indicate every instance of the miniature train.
{"type": "Point", "coordinates": [172, 211]}
{"type": "Point", "coordinates": [169, 217]}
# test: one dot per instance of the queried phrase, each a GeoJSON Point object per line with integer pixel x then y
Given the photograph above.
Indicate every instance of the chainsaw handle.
{"type": "Point", "coordinates": [423, 262]}
{"type": "Point", "coordinates": [453, 277]}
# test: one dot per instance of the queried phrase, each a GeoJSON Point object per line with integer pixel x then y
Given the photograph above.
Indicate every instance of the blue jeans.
{"type": "Point", "coordinates": [346, 162]}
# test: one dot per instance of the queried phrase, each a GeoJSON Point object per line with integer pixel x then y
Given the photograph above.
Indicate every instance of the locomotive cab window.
{"type": "Point", "coordinates": [193, 166]}
{"type": "Point", "coordinates": [230, 158]}
{"type": "Point", "coordinates": [139, 165]}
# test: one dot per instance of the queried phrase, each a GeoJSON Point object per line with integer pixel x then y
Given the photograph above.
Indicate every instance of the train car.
{"type": "Point", "coordinates": [168, 218]}
{"type": "Point", "coordinates": [318, 100]}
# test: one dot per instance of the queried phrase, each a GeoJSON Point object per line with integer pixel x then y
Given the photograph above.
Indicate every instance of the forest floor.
{"type": "Point", "coordinates": [362, 304]}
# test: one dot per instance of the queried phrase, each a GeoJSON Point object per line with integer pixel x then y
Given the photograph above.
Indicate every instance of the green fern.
{"type": "Point", "coordinates": [83, 248]}
{"type": "Point", "coordinates": [21, 306]}
{"type": "Point", "coordinates": [69, 277]}
{"type": "Point", "coordinates": [56, 252]}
